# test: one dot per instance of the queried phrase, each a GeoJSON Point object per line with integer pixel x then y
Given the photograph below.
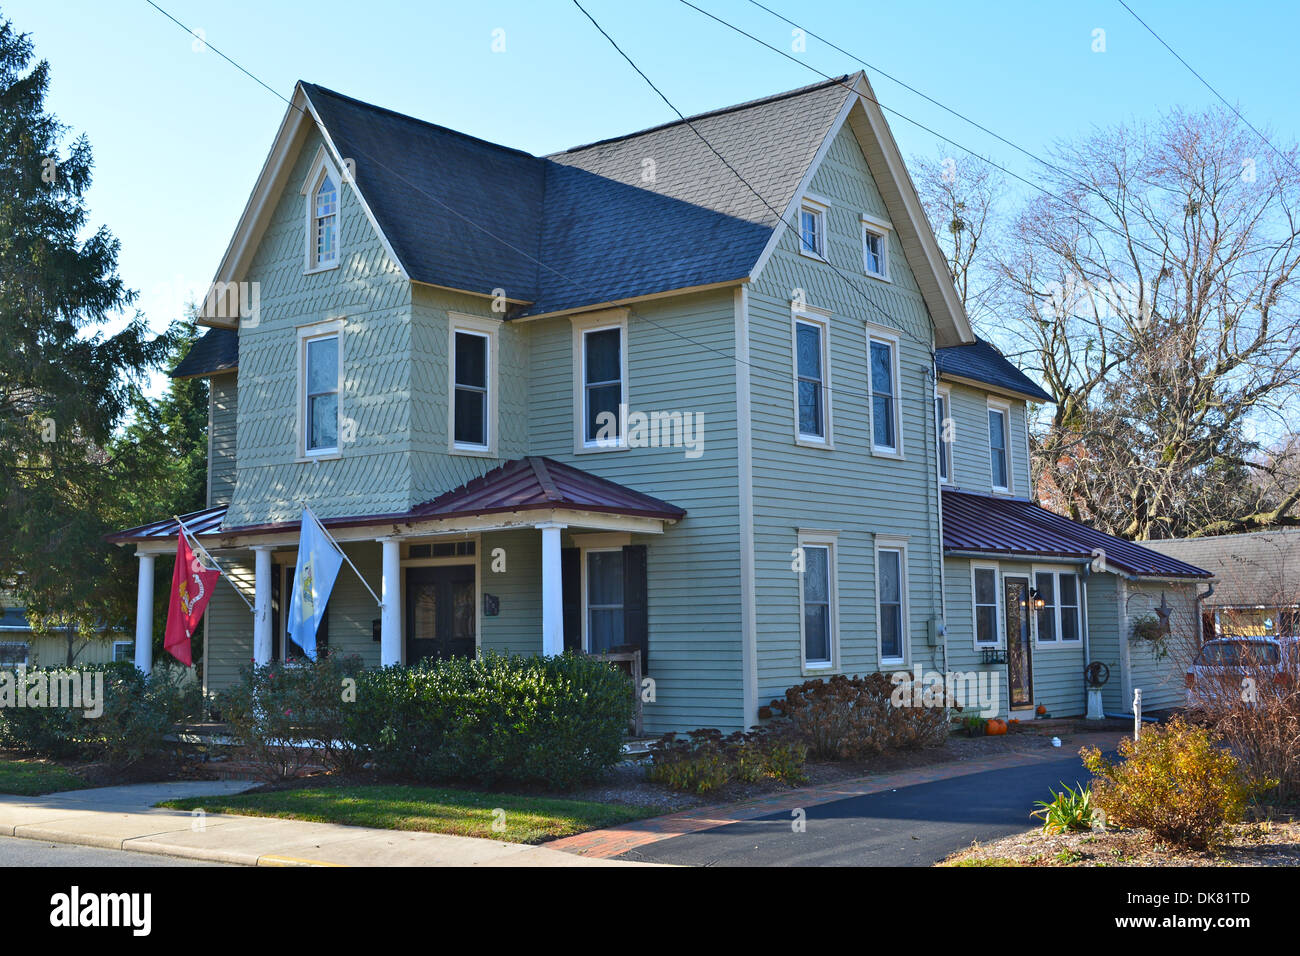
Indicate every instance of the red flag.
{"type": "Point", "coordinates": [192, 586]}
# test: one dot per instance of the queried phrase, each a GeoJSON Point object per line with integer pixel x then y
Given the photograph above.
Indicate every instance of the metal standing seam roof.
{"type": "Point", "coordinates": [524, 484]}
{"type": "Point", "coordinates": [1013, 526]}
{"type": "Point", "coordinates": [980, 361]}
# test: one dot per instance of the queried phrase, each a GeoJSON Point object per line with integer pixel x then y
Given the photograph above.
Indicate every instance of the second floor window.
{"type": "Point", "coordinates": [325, 222]}
{"type": "Point", "coordinates": [602, 385]}
{"type": "Point", "coordinates": [884, 397]}
{"type": "Point", "coordinates": [471, 389]}
{"type": "Point", "coordinates": [943, 434]}
{"type": "Point", "coordinates": [811, 380]}
{"type": "Point", "coordinates": [998, 431]}
{"type": "Point", "coordinates": [322, 397]}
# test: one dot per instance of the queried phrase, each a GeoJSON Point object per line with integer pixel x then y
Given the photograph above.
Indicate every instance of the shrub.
{"type": "Point", "coordinates": [1069, 809]}
{"type": "Point", "coordinates": [287, 716]}
{"type": "Point", "coordinates": [845, 718]}
{"type": "Point", "coordinates": [1175, 781]}
{"type": "Point", "coordinates": [705, 760]}
{"type": "Point", "coordinates": [552, 721]}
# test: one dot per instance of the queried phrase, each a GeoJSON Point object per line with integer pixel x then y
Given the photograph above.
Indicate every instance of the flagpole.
{"type": "Point", "coordinates": [343, 553]}
{"type": "Point", "coordinates": [191, 537]}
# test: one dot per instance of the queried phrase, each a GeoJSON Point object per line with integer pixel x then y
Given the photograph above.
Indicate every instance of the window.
{"type": "Point", "coordinates": [882, 370]}
{"type": "Point", "coordinates": [986, 605]}
{"type": "Point", "coordinates": [321, 393]}
{"type": "Point", "coordinates": [473, 377]}
{"type": "Point", "coordinates": [321, 195]}
{"type": "Point", "coordinates": [943, 427]}
{"type": "Point", "coordinates": [1059, 617]}
{"type": "Point", "coordinates": [875, 246]}
{"type": "Point", "coordinates": [812, 229]}
{"type": "Point", "coordinates": [999, 420]}
{"type": "Point", "coordinates": [13, 654]}
{"type": "Point", "coordinates": [817, 602]}
{"type": "Point", "coordinates": [604, 589]}
{"type": "Point", "coordinates": [891, 586]}
{"type": "Point", "coordinates": [600, 380]}
{"type": "Point", "coordinates": [124, 650]}
{"type": "Point", "coordinates": [810, 379]}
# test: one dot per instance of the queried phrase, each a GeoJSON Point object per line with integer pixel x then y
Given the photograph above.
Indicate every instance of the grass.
{"type": "Point", "coordinates": [497, 816]}
{"type": "Point", "coordinates": [30, 778]}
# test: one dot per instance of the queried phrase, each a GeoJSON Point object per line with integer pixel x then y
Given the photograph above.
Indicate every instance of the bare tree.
{"type": "Point", "coordinates": [1155, 292]}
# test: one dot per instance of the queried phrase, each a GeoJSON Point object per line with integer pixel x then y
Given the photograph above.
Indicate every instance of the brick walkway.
{"type": "Point", "coordinates": [603, 844]}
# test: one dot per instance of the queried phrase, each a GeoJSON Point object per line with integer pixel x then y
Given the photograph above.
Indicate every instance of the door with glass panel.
{"type": "Point", "coordinates": [1020, 674]}
{"type": "Point", "coordinates": [440, 618]}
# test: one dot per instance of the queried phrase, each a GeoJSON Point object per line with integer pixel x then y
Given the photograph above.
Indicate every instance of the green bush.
{"type": "Point", "coordinates": [851, 718]}
{"type": "Point", "coordinates": [553, 721]}
{"type": "Point", "coordinates": [1069, 809]}
{"type": "Point", "coordinates": [705, 760]}
{"type": "Point", "coordinates": [1176, 782]}
{"type": "Point", "coordinates": [288, 716]}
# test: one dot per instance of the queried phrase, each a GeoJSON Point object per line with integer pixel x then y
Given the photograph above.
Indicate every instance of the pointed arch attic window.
{"type": "Point", "coordinates": [322, 192]}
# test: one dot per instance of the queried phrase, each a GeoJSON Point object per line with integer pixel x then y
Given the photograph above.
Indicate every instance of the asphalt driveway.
{"type": "Point", "coordinates": [911, 826]}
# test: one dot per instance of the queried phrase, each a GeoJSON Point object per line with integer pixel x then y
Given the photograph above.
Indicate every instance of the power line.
{"type": "Point", "coordinates": [1206, 83]}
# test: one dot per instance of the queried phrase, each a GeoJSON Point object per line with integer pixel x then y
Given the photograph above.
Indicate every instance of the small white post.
{"type": "Point", "coordinates": [144, 614]}
{"type": "Point", "coordinates": [552, 591]}
{"type": "Point", "coordinates": [262, 636]}
{"type": "Point", "coordinates": [1137, 712]}
{"type": "Point", "coordinates": [390, 612]}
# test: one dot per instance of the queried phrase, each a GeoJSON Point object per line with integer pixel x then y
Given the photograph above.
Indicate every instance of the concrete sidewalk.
{"type": "Point", "coordinates": [124, 818]}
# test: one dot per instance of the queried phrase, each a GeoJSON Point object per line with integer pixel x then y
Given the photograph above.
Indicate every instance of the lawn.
{"type": "Point", "coordinates": [29, 778]}
{"type": "Point", "coordinates": [497, 816]}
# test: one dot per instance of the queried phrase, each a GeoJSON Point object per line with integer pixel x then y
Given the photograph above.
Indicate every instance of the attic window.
{"type": "Point", "coordinates": [812, 228]}
{"type": "Point", "coordinates": [875, 246]}
{"type": "Point", "coordinates": [325, 221]}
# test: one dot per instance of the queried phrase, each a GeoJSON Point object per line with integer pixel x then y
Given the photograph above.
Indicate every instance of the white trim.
{"type": "Point", "coordinates": [1057, 572]}
{"type": "Point", "coordinates": [998, 405]}
{"type": "Point", "coordinates": [947, 450]}
{"type": "Point", "coordinates": [814, 317]}
{"type": "Point", "coordinates": [891, 338]}
{"type": "Point", "coordinates": [886, 542]}
{"type": "Point", "coordinates": [880, 228]}
{"type": "Point", "coordinates": [322, 166]}
{"type": "Point", "coordinates": [819, 209]}
{"type": "Point", "coordinates": [583, 551]}
{"type": "Point", "coordinates": [999, 626]}
{"type": "Point", "coordinates": [583, 325]}
{"type": "Point", "coordinates": [745, 509]}
{"type": "Point", "coordinates": [116, 644]}
{"type": "Point", "coordinates": [331, 328]}
{"type": "Point", "coordinates": [813, 538]}
{"type": "Point", "coordinates": [488, 329]}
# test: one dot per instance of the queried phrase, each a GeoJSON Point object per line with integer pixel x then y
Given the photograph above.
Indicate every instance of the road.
{"type": "Point", "coordinates": [18, 852]}
{"type": "Point", "coordinates": [913, 826]}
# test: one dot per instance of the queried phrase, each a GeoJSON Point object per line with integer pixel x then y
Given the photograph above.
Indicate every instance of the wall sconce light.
{"type": "Point", "coordinates": [1037, 598]}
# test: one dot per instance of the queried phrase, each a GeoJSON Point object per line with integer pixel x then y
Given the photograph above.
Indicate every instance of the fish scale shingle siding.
{"type": "Point", "coordinates": [846, 489]}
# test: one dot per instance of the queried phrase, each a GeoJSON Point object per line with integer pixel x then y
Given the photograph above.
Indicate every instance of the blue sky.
{"type": "Point", "coordinates": [179, 135]}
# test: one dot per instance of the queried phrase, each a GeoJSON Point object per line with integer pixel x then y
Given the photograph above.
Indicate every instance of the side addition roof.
{"type": "Point", "coordinates": [1259, 568]}
{"type": "Point", "coordinates": [981, 362]}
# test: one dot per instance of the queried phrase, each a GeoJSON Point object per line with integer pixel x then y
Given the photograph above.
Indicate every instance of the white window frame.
{"type": "Point", "coordinates": [818, 538]}
{"type": "Point", "coordinates": [999, 625]}
{"type": "Point", "coordinates": [130, 656]}
{"type": "Point", "coordinates": [488, 329]}
{"type": "Point", "coordinates": [582, 326]}
{"type": "Point", "coordinates": [307, 334]}
{"type": "Point", "coordinates": [890, 338]}
{"type": "Point", "coordinates": [821, 320]}
{"type": "Point", "coordinates": [597, 544]}
{"type": "Point", "coordinates": [899, 544]}
{"type": "Point", "coordinates": [1057, 572]}
{"type": "Point", "coordinates": [881, 228]}
{"type": "Point", "coordinates": [944, 447]}
{"type": "Point", "coordinates": [998, 405]}
{"type": "Point", "coordinates": [319, 168]}
{"type": "Point", "coordinates": [819, 208]}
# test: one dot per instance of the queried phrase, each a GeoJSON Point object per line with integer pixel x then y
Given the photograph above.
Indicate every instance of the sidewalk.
{"type": "Point", "coordinates": [605, 844]}
{"type": "Point", "coordinates": [124, 818]}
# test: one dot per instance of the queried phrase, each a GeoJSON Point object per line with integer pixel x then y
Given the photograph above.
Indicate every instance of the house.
{"type": "Point", "coordinates": [618, 397]}
{"type": "Point", "coordinates": [1256, 580]}
{"type": "Point", "coordinates": [21, 646]}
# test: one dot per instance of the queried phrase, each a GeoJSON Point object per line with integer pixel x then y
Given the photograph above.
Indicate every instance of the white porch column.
{"type": "Point", "coordinates": [262, 604]}
{"type": "Point", "coordinates": [390, 615]}
{"type": "Point", "coordinates": [144, 614]}
{"type": "Point", "coordinates": [552, 591]}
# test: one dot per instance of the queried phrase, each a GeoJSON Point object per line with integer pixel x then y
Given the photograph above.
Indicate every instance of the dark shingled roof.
{"type": "Point", "coordinates": [1013, 526]}
{"type": "Point", "coordinates": [981, 362]}
{"type": "Point", "coordinates": [599, 216]}
{"type": "Point", "coordinates": [217, 350]}
{"type": "Point", "coordinates": [1260, 568]}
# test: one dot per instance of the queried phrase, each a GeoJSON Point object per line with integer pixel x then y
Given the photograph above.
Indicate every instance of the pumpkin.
{"type": "Point", "coordinates": [1042, 710]}
{"type": "Point", "coordinates": [995, 727]}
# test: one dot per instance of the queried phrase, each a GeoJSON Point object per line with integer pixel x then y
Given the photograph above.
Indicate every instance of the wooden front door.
{"type": "Point", "coordinates": [1020, 670]}
{"type": "Point", "coordinates": [440, 618]}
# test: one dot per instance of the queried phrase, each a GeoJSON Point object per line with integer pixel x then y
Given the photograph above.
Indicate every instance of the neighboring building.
{"type": "Point", "coordinates": [21, 647]}
{"type": "Point", "coordinates": [433, 324]}
{"type": "Point", "coordinates": [1256, 580]}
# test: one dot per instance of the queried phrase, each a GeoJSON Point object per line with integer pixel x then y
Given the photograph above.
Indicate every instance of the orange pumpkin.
{"type": "Point", "coordinates": [1042, 710]}
{"type": "Point", "coordinates": [995, 727]}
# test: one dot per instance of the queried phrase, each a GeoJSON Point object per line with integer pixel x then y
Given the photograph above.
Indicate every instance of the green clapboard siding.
{"type": "Point", "coordinates": [971, 458]}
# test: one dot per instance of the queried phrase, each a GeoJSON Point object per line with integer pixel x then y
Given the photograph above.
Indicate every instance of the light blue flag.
{"type": "Point", "coordinates": [319, 560]}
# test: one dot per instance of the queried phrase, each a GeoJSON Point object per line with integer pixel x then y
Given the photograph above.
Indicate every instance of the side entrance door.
{"type": "Point", "coordinates": [1020, 671]}
{"type": "Point", "coordinates": [440, 618]}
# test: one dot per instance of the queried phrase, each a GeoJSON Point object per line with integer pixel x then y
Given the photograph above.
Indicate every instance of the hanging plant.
{"type": "Point", "coordinates": [1154, 633]}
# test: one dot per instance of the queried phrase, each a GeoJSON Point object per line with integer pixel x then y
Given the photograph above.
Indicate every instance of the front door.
{"type": "Point", "coordinates": [440, 616]}
{"type": "Point", "coordinates": [1020, 671]}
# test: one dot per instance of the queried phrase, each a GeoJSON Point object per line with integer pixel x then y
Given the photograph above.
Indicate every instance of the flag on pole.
{"type": "Point", "coordinates": [192, 586]}
{"type": "Point", "coordinates": [319, 560]}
